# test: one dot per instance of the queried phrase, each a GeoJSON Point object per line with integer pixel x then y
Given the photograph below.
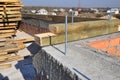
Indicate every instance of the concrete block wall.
{"type": "Point", "coordinates": [33, 26]}
{"type": "Point", "coordinates": [50, 69]}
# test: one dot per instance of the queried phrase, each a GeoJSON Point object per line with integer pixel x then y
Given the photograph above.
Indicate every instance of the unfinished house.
{"type": "Point", "coordinates": [44, 47]}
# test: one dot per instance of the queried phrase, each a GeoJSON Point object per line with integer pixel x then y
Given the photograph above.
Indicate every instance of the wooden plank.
{"type": "Point", "coordinates": [18, 42]}
{"type": "Point", "coordinates": [7, 31]}
{"type": "Point", "coordinates": [1, 9]}
{"type": "Point", "coordinates": [12, 58]}
{"type": "Point", "coordinates": [13, 8]}
{"type": "Point", "coordinates": [3, 53]}
{"type": "Point", "coordinates": [9, 1]}
{"type": "Point", "coordinates": [10, 12]}
{"type": "Point", "coordinates": [25, 40]}
{"type": "Point", "coordinates": [8, 24]}
{"type": "Point", "coordinates": [12, 5]}
{"type": "Point", "coordinates": [10, 16]}
{"type": "Point", "coordinates": [84, 32]}
{"type": "Point", "coordinates": [11, 19]}
{"type": "Point", "coordinates": [12, 49]}
{"type": "Point", "coordinates": [4, 57]}
{"type": "Point", "coordinates": [6, 36]}
{"type": "Point", "coordinates": [2, 13]}
{"type": "Point", "coordinates": [20, 45]}
{"type": "Point", "coordinates": [1, 16]}
{"type": "Point", "coordinates": [10, 27]}
{"type": "Point", "coordinates": [5, 66]}
{"type": "Point", "coordinates": [16, 15]}
{"type": "Point", "coordinates": [60, 28]}
{"type": "Point", "coordinates": [13, 12]}
{"type": "Point", "coordinates": [2, 44]}
{"type": "Point", "coordinates": [14, 19]}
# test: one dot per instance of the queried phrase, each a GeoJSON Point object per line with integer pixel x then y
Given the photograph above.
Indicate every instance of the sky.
{"type": "Point", "coordinates": [73, 3]}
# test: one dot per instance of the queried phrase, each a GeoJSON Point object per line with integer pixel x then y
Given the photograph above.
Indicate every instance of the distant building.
{"type": "Point", "coordinates": [52, 13]}
{"type": "Point", "coordinates": [55, 10]}
{"type": "Point", "coordinates": [70, 10]}
{"type": "Point", "coordinates": [76, 13]}
{"type": "Point", "coordinates": [113, 11]}
{"type": "Point", "coordinates": [79, 10]}
{"type": "Point", "coordinates": [62, 10]}
{"type": "Point", "coordinates": [42, 12]}
{"type": "Point", "coordinates": [94, 10]}
{"type": "Point", "coordinates": [33, 11]}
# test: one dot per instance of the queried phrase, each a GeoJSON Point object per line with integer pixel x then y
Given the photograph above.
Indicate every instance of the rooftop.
{"type": "Point", "coordinates": [89, 63]}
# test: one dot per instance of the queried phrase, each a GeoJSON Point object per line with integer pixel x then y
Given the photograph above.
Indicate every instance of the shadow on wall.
{"type": "Point", "coordinates": [34, 48]}
{"type": "Point", "coordinates": [3, 78]}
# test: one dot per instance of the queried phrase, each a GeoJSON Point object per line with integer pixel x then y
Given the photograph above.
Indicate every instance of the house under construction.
{"type": "Point", "coordinates": [34, 47]}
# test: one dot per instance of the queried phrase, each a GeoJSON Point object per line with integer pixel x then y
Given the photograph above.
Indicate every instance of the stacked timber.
{"type": "Point", "coordinates": [10, 15]}
{"type": "Point", "coordinates": [79, 30]}
{"type": "Point", "coordinates": [9, 51]}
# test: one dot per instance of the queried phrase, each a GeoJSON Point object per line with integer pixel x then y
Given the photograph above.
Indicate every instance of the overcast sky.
{"type": "Point", "coordinates": [73, 3]}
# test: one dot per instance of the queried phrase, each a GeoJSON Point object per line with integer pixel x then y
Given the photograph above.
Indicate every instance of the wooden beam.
{"type": "Point", "coordinates": [13, 8]}
{"type": "Point", "coordinates": [13, 12]}
{"type": "Point", "coordinates": [11, 19]}
{"type": "Point", "coordinates": [14, 19]}
{"type": "Point", "coordinates": [19, 42]}
{"type": "Point", "coordinates": [25, 40]}
{"type": "Point", "coordinates": [7, 31]}
{"type": "Point", "coordinates": [12, 49]}
{"type": "Point", "coordinates": [6, 36]}
{"type": "Point", "coordinates": [1, 9]}
{"type": "Point", "coordinates": [16, 15]}
{"type": "Point", "coordinates": [5, 66]}
{"type": "Point", "coordinates": [10, 9]}
{"type": "Point", "coordinates": [20, 45]}
{"type": "Point", "coordinates": [9, 48]}
{"type": "Point", "coordinates": [12, 58]}
{"type": "Point", "coordinates": [4, 57]}
{"type": "Point", "coordinates": [86, 31]}
{"type": "Point", "coordinates": [3, 53]}
{"type": "Point", "coordinates": [8, 1]}
{"type": "Point", "coordinates": [9, 12]}
{"type": "Point", "coordinates": [10, 27]}
{"type": "Point", "coordinates": [8, 24]}
{"type": "Point", "coordinates": [60, 28]}
{"type": "Point", "coordinates": [2, 44]}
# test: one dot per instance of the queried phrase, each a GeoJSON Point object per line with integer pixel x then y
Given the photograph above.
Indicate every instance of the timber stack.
{"type": "Point", "coordinates": [79, 30]}
{"type": "Point", "coordinates": [10, 15]}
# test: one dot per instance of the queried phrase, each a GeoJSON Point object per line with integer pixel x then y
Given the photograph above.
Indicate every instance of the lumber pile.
{"type": "Point", "coordinates": [79, 30]}
{"type": "Point", "coordinates": [9, 51]}
{"type": "Point", "coordinates": [10, 15]}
